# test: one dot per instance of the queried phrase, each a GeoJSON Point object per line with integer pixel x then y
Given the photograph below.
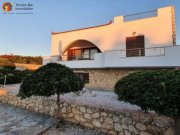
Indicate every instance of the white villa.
{"type": "Point", "coordinates": [103, 54]}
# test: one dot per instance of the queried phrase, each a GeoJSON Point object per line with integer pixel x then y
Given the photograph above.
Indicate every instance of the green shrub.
{"type": "Point", "coordinates": [152, 90]}
{"type": "Point", "coordinates": [22, 74]}
{"type": "Point", "coordinates": [13, 76]}
{"type": "Point", "coordinates": [49, 80]}
{"type": "Point", "coordinates": [7, 64]}
{"type": "Point", "coordinates": [11, 79]}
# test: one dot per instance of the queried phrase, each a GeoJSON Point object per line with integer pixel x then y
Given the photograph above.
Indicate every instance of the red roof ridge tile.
{"type": "Point", "coordinates": [110, 22]}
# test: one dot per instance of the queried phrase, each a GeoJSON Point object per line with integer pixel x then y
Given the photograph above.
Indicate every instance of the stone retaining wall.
{"type": "Point", "coordinates": [113, 123]}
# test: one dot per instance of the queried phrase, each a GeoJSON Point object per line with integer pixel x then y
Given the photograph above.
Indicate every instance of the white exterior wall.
{"type": "Point", "coordinates": [157, 30]}
{"type": "Point", "coordinates": [169, 59]}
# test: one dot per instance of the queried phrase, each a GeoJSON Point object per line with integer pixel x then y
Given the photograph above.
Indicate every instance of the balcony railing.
{"type": "Point", "coordinates": [69, 57]}
{"type": "Point", "coordinates": [155, 51]}
{"type": "Point", "coordinates": [78, 57]}
{"type": "Point", "coordinates": [140, 15]}
{"type": "Point", "coordinates": [138, 52]}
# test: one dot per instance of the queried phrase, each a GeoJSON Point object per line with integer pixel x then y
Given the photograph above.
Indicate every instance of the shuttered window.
{"type": "Point", "coordinates": [135, 46]}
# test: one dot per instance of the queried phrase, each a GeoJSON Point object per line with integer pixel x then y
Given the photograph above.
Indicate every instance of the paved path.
{"type": "Point", "coordinates": [16, 121]}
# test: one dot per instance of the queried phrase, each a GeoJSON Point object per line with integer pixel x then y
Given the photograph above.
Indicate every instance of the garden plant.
{"type": "Point", "coordinates": [152, 90]}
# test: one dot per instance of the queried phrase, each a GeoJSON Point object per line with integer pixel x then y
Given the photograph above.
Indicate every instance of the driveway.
{"type": "Point", "coordinates": [16, 121]}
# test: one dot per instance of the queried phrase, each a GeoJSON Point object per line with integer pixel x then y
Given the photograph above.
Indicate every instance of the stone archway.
{"type": "Point", "coordinates": [80, 50]}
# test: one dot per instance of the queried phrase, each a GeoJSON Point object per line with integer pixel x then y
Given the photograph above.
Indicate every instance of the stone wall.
{"type": "Point", "coordinates": [111, 122]}
{"type": "Point", "coordinates": [105, 79]}
{"type": "Point", "coordinates": [100, 79]}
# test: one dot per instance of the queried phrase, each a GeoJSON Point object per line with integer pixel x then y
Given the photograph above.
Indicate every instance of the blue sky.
{"type": "Point", "coordinates": [31, 34]}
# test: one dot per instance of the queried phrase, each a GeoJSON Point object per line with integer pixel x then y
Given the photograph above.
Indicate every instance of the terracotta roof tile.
{"type": "Point", "coordinates": [53, 33]}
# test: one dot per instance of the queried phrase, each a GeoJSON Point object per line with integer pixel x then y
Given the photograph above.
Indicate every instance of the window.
{"type": "Point", "coordinates": [85, 53]}
{"type": "Point", "coordinates": [135, 46]}
{"type": "Point", "coordinates": [77, 54]}
{"type": "Point", "coordinates": [84, 77]}
{"type": "Point", "coordinates": [92, 52]}
{"type": "Point", "coordinates": [82, 53]}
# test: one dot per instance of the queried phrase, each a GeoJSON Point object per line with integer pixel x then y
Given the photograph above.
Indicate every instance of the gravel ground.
{"type": "Point", "coordinates": [71, 129]}
{"type": "Point", "coordinates": [96, 98]}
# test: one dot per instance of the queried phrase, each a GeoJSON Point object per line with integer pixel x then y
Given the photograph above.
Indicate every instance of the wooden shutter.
{"type": "Point", "coordinates": [140, 44]}
{"type": "Point", "coordinates": [70, 54]}
{"type": "Point", "coordinates": [135, 46]}
{"type": "Point", "coordinates": [130, 46]}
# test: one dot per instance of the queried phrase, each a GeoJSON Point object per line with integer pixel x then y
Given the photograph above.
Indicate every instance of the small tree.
{"type": "Point", "coordinates": [7, 64]}
{"type": "Point", "coordinates": [49, 80]}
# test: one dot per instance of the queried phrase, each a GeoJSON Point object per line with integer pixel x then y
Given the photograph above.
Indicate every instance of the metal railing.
{"type": "Point", "coordinates": [140, 15]}
{"type": "Point", "coordinates": [138, 52]}
{"type": "Point", "coordinates": [78, 57]}
{"type": "Point", "coordinates": [155, 51]}
{"type": "Point", "coordinates": [69, 57]}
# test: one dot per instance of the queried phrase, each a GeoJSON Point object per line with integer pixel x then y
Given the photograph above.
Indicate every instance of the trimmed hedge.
{"type": "Point", "coordinates": [152, 90]}
{"type": "Point", "coordinates": [13, 76]}
{"type": "Point", "coordinates": [11, 79]}
{"type": "Point", "coordinates": [7, 64]}
{"type": "Point", "coordinates": [49, 80]}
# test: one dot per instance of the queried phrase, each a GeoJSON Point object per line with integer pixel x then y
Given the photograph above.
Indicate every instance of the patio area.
{"type": "Point", "coordinates": [16, 121]}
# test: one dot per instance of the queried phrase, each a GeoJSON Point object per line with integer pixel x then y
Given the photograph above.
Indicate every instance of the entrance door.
{"type": "Point", "coordinates": [135, 46]}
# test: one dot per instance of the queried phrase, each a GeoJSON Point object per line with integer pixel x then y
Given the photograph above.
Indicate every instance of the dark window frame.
{"type": "Point", "coordinates": [73, 56]}
{"type": "Point", "coordinates": [83, 76]}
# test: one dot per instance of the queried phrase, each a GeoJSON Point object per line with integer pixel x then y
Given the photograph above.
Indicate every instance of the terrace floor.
{"type": "Point", "coordinates": [16, 121]}
{"type": "Point", "coordinates": [96, 98]}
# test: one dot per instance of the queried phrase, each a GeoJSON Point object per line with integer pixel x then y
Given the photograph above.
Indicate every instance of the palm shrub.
{"type": "Point", "coordinates": [49, 80]}
{"type": "Point", "coordinates": [7, 64]}
{"type": "Point", "coordinates": [152, 90]}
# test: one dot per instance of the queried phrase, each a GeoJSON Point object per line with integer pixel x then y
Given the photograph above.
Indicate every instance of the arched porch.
{"type": "Point", "coordinates": [80, 50]}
